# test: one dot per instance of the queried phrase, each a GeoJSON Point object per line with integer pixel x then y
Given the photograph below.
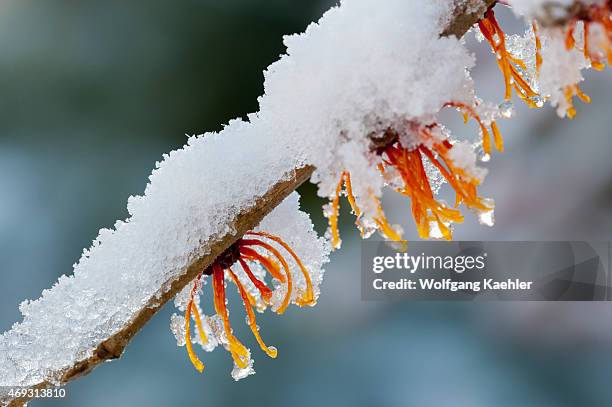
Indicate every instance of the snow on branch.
{"type": "Point", "coordinates": [203, 198]}
{"type": "Point", "coordinates": [113, 346]}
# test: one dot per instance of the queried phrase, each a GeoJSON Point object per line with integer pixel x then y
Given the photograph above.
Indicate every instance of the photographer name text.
{"type": "Point", "coordinates": [387, 269]}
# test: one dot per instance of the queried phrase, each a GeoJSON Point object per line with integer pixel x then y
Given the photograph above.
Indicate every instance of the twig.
{"type": "Point", "coordinates": [465, 16]}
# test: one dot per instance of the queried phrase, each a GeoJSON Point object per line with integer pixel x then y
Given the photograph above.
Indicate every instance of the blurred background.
{"type": "Point", "coordinates": [93, 93]}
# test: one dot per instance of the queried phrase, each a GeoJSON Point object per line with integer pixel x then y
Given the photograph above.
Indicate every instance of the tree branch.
{"type": "Point", "coordinates": [467, 13]}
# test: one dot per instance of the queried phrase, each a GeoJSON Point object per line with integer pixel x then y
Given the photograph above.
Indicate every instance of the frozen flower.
{"type": "Point", "coordinates": [596, 23]}
{"type": "Point", "coordinates": [407, 157]}
{"type": "Point", "coordinates": [245, 264]}
{"type": "Point", "coordinates": [512, 68]}
{"type": "Point", "coordinates": [253, 249]}
{"type": "Point", "coordinates": [574, 35]}
{"type": "Point", "coordinates": [596, 19]}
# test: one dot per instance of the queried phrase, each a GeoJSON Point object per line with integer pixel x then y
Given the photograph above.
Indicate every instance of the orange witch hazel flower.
{"type": "Point", "coordinates": [567, 38]}
{"type": "Point", "coordinates": [512, 68]}
{"type": "Point", "coordinates": [406, 159]}
{"type": "Point", "coordinates": [596, 23]}
{"type": "Point", "coordinates": [242, 252]}
{"type": "Point", "coordinates": [245, 264]}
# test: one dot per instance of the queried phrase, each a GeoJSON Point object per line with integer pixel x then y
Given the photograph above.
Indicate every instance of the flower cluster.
{"type": "Point", "coordinates": [596, 24]}
{"type": "Point", "coordinates": [564, 41]}
{"type": "Point", "coordinates": [407, 153]}
{"type": "Point", "coordinates": [405, 157]}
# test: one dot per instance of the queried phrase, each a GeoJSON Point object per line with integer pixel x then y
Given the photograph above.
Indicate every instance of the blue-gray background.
{"type": "Point", "coordinates": [92, 93]}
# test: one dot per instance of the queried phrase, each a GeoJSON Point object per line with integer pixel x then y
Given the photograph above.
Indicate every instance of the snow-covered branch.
{"type": "Point", "coordinates": [113, 346]}
{"type": "Point", "coordinates": [203, 198]}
